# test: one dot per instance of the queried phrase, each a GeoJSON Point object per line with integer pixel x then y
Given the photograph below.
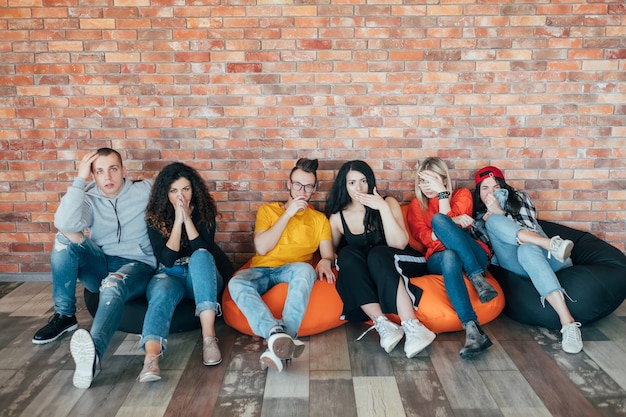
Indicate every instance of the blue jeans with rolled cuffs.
{"type": "Point", "coordinates": [199, 280]}
{"type": "Point", "coordinates": [247, 286]}
{"type": "Point", "coordinates": [526, 259]}
{"type": "Point", "coordinates": [462, 253]}
{"type": "Point", "coordinates": [116, 279]}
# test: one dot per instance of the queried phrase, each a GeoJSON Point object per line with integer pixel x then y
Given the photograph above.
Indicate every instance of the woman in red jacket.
{"type": "Point", "coordinates": [438, 218]}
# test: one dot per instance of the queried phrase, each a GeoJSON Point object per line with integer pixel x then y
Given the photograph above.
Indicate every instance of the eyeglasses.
{"type": "Point", "coordinates": [307, 187]}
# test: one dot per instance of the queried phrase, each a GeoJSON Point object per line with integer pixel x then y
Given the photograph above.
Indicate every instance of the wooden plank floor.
{"type": "Point", "coordinates": [525, 374]}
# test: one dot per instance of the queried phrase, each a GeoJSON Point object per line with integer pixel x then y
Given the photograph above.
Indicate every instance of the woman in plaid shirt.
{"type": "Point", "coordinates": [506, 219]}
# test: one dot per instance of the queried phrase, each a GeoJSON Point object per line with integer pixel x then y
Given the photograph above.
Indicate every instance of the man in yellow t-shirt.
{"type": "Point", "coordinates": [285, 238]}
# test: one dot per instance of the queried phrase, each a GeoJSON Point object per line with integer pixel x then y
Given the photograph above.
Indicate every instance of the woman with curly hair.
{"type": "Point", "coordinates": [181, 225]}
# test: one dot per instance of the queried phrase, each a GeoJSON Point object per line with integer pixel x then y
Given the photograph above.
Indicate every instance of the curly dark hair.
{"type": "Point", "coordinates": [160, 212]}
{"type": "Point", "coordinates": [338, 198]}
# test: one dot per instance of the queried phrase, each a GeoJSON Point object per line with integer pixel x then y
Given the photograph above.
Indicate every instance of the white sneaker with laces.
{"type": "Point", "coordinates": [418, 337]}
{"type": "Point", "coordinates": [84, 353]}
{"type": "Point", "coordinates": [572, 340]}
{"type": "Point", "coordinates": [561, 249]}
{"type": "Point", "coordinates": [390, 333]}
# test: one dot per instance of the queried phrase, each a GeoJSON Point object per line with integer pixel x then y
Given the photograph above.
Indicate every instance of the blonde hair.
{"type": "Point", "coordinates": [434, 164]}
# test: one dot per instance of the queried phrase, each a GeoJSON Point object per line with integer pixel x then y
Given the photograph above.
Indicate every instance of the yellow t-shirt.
{"type": "Point", "coordinates": [300, 239]}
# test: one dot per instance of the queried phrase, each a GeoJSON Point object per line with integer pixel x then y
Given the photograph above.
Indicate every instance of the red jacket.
{"type": "Point", "coordinates": [420, 222]}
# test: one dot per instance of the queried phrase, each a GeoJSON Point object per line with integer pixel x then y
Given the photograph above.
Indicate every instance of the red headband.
{"type": "Point", "coordinates": [486, 172]}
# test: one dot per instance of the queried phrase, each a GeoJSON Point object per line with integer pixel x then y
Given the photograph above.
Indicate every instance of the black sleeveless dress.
{"type": "Point", "coordinates": [369, 271]}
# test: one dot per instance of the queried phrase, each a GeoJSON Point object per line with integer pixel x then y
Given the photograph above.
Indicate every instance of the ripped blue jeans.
{"type": "Point", "coordinates": [199, 280]}
{"type": "Point", "coordinates": [116, 279]}
{"type": "Point", "coordinates": [526, 259]}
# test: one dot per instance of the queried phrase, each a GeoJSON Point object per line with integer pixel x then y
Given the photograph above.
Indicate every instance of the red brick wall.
{"type": "Point", "coordinates": [241, 89]}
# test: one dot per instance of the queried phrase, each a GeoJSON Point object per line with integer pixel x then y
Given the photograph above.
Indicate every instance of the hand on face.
{"type": "Point", "coordinates": [430, 181]}
{"type": "Point", "coordinates": [181, 209]}
{"type": "Point", "coordinates": [373, 201]}
{"type": "Point", "coordinates": [295, 205]}
{"type": "Point", "coordinates": [492, 204]}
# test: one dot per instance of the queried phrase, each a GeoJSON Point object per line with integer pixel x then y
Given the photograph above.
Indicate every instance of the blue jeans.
{"type": "Point", "coordinates": [527, 260]}
{"type": "Point", "coordinates": [247, 286]}
{"type": "Point", "coordinates": [462, 253]}
{"type": "Point", "coordinates": [98, 272]}
{"type": "Point", "coordinates": [199, 280]}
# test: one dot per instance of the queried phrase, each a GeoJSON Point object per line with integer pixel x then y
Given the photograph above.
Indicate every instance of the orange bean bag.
{"type": "Point", "coordinates": [325, 305]}
{"type": "Point", "coordinates": [323, 312]}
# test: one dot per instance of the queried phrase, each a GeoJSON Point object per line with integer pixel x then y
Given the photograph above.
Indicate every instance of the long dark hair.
{"type": "Point", "coordinates": [160, 212]}
{"type": "Point", "coordinates": [338, 198]}
{"type": "Point", "coordinates": [513, 203]}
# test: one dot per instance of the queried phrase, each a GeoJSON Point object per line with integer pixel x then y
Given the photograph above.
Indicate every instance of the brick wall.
{"type": "Point", "coordinates": [241, 89]}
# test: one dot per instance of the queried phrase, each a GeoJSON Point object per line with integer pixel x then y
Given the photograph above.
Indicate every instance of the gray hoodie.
{"type": "Point", "coordinates": [86, 208]}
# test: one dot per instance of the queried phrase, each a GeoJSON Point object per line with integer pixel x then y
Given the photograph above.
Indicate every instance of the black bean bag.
{"type": "Point", "coordinates": [184, 318]}
{"type": "Point", "coordinates": [596, 282]}
{"type": "Point", "coordinates": [135, 310]}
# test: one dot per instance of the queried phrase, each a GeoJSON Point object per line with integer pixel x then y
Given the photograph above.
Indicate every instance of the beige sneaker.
{"type": "Point", "coordinates": [561, 249]}
{"type": "Point", "coordinates": [418, 337]}
{"type": "Point", "coordinates": [572, 340]}
{"type": "Point", "coordinates": [150, 371]}
{"type": "Point", "coordinates": [211, 354]}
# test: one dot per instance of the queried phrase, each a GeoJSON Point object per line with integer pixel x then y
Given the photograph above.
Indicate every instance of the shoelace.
{"type": "Point", "coordinates": [570, 333]}
{"type": "Point", "coordinates": [150, 360]}
{"type": "Point", "coordinates": [380, 328]}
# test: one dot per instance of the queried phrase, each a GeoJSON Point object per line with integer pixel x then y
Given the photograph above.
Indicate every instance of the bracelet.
{"type": "Point", "coordinates": [443, 194]}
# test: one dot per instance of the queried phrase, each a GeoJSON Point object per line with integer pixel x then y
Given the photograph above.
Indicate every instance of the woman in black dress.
{"type": "Point", "coordinates": [371, 239]}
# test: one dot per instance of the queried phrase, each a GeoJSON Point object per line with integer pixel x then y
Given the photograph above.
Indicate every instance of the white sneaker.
{"type": "Point", "coordinates": [561, 249]}
{"type": "Point", "coordinates": [417, 337]}
{"type": "Point", "coordinates": [84, 353]}
{"type": "Point", "coordinates": [269, 360]}
{"type": "Point", "coordinates": [281, 344]}
{"type": "Point", "coordinates": [572, 340]}
{"type": "Point", "coordinates": [390, 333]}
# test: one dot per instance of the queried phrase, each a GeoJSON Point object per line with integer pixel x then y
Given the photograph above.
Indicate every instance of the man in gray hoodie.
{"type": "Point", "coordinates": [114, 258]}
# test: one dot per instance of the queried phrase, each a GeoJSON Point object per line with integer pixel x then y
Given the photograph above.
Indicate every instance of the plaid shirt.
{"type": "Point", "coordinates": [526, 218]}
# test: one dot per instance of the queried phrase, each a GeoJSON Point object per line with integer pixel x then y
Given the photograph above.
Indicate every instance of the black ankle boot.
{"type": "Point", "coordinates": [475, 340]}
{"type": "Point", "coordinates": [485, 291]}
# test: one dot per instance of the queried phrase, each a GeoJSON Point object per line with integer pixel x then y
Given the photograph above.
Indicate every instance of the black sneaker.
{"type": "Point", "coordinates": [57, 325]}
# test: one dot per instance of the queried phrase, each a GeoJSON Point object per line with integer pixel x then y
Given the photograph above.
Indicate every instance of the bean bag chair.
{"type": "Point", "coordinates": [323, 312]}
{"type": "Point", "coordinates": [596, 282]}
{"type": "Point", "coordinates": [434, 309]}
{"type": "Point", "coordinates": [184, 318]}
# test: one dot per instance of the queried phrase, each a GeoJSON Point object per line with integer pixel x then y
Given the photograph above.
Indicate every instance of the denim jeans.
{"type": "Point", "coordinates": [198, 280]}
{"type": "Point", "coordinates": [98, 272]}
{"type": "Point", "coordinates": [247, 286]}
{"type": "Point", "coordinates": [526, 259]}
{"type": "Point", "coordinates": [462, 253]}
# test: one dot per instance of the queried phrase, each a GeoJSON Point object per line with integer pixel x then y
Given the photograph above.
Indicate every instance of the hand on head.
{"type": "Point", "coordinates": [84, 168]}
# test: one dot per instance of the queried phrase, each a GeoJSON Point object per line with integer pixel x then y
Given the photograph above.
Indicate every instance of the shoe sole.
{"type": "Point", "coordinates": [393, 345]}
{"type": "Point", "coordinates": [149, 378]}
{"type": "Point", "coordinates": [283, 347]}
{"type": "Point", "coordinates": [420, 347]}
{"type": "Point", "coordinates": [43, 342]}
{"type": "Point", "coordinates": [298, 348]}
{"type": "Point", "coordinates": [84, 353]}
{"type": "Point", "coordinates": [487, 296]}
{"type": "Point", "coordinates": [566, 253]}
{"type": "Point", "coordinates": [471, 353]}
{"type": "Point", "coordinates": [208, 363]}
{"type": "Point", "coordinates": [268, 363]}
